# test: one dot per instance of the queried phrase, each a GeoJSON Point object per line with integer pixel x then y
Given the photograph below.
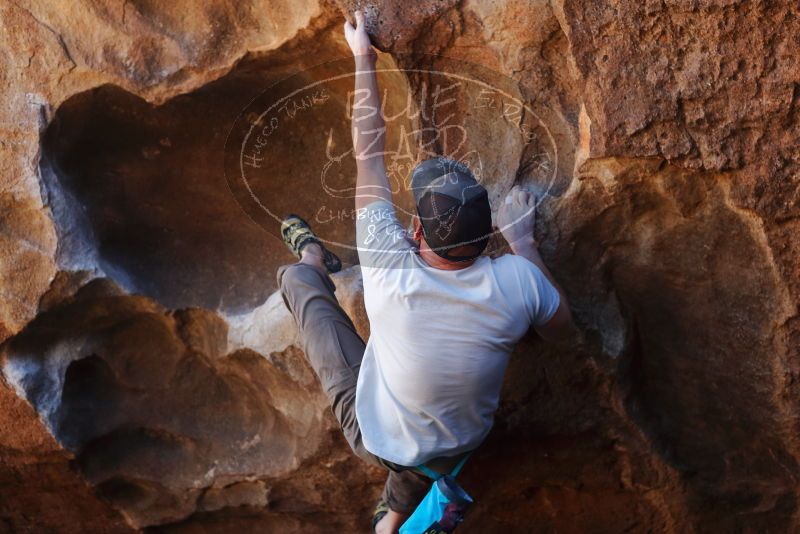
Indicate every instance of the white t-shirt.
{"type": "Point", "coordinates": [439, 341]}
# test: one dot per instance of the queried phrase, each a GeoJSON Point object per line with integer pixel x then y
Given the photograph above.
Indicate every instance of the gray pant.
{"type": "Point", "coordinates": [334, 349]}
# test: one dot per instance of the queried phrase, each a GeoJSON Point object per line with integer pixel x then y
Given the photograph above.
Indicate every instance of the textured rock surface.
{"type": "Point", "coordinates": [134, 300]}
{"type": "Point", "coordinates": [164, 422]}
{"type": "Point", "coordinates": [394, 26]}
{"type": "Point", "coordinates": [39, 489]}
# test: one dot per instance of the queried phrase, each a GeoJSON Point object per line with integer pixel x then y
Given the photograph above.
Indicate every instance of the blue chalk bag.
{"type": "Point", "coordinates": [443, 507]}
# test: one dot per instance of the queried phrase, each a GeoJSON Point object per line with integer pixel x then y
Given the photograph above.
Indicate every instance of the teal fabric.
{"type": "Point", "coordinates": [427, 518]}
{"type": "Point", "coordinates": [429, 511]}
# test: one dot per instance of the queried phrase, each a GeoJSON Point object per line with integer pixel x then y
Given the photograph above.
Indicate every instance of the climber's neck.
{"type": "Point", "coordinates": [438, 262]}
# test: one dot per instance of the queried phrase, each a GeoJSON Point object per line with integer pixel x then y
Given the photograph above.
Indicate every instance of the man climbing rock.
{"type": "Point", "coordinates": [444, 319]}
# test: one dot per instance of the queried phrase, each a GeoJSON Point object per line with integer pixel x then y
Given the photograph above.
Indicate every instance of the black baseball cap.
{"type": "Point", "coordinates": [453, 208]}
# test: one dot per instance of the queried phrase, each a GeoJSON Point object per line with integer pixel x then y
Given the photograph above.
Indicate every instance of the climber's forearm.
{"type": "Point", "coordinates": [369, 134]}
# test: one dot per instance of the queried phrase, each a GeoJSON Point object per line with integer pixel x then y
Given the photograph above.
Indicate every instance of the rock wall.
{"type": "Point", "coordinates": [163, 382]}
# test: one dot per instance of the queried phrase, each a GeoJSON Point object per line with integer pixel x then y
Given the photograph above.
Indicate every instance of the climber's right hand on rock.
{"type": "Point", "coordinates": [357, 37]}
{"type": "Point", "coordinates": [516, 217]}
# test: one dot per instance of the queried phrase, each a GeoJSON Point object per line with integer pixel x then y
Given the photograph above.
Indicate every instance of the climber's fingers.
{"type": "Point", "coordinates": [511, 197]}
{"type": "Point", "coordinates": [349, 31]}
{"type": "Point", "coordinates": [360, 20]}
{"type": "Point", "coordinates": [515, 196]}
{"type": "Point", "coordinates": [520, 196]}
{"type": "Point", "coordinates": [525, 197]}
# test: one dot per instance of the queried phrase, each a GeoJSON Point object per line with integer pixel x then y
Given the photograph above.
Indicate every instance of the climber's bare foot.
{"type": "Point", "coordinates": [390, 523]}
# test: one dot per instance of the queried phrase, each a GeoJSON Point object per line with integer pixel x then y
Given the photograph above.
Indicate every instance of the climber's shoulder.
{"type": "Point", "coordinates": [522, 279]}
{"type": "Point", "coordinates": [518, 275]}
{"type": "Point", "coordinates": [514, 264]}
